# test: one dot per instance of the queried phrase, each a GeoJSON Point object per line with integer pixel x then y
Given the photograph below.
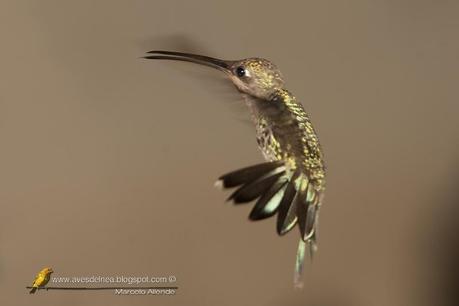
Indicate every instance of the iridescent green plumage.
{"type": "Point", "coordinates": [285, 132]}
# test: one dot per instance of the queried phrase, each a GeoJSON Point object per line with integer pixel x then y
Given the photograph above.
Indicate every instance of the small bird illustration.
{"type": "Point", "coordinates": [41, 279]}
{"type": "Point", "coordinates": [291, 182]}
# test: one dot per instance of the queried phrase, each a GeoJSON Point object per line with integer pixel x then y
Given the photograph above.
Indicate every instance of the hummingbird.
{"type": "Point", "coordinates": [291, 181]}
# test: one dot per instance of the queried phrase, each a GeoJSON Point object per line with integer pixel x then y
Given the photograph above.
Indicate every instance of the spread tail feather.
{"type": "Point", "coordinates": [255, 189]}
{"type": "Point", "coordinates": [278, 190]}
{"type": "Point", "coordinates": [287, 216]}
{"type": "Point", "coordinates": [268, 203]}
{"type": "Point", "coordinates": [266, 182]}
{"type": "Point", "coordinates": [248, 174]}
{"type": "Point", "coordinates": [285, 192]}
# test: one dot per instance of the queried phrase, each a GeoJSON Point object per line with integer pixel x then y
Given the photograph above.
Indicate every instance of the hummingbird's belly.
{"type": "Point", "coordinates": [284, 132]}
{"type": "Point", "coordinates": [292, 149]}
{"type": "Point", "coordinates": [269, 145]}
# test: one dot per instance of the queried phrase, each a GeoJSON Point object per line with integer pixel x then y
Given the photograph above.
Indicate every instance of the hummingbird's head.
{"type": "Point", "coordinates": [257, 77]}
{"type": "Point", "coordinates": [254, 76]}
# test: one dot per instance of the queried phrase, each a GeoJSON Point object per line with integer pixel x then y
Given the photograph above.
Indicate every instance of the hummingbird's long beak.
{"type": "Point", "coordinates": [189, 57]}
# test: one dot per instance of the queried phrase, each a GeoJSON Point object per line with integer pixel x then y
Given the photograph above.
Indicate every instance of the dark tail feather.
{"type": "Point", "coordinates": [33, 290]}
{"type": "Point", "coordinates": [255, 189]}
{"type": "Point", "coordinates": [248, 175]}
{"type": "Point", "coordinates": [269, 202]}
{"type": "Point", "coordinates": [287, 215]}
{"type": "Point", "coordinates": [267, 182]}
{"type": "Point", "coordinates": [307, 205]}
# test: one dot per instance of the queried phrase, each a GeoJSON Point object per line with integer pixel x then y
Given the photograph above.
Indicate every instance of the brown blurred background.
{"type": "Point", "coordinates": [108, 161]}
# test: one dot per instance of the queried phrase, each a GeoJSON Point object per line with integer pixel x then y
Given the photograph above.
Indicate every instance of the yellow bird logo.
{"type": "Point", "coordinates": [41, 279]}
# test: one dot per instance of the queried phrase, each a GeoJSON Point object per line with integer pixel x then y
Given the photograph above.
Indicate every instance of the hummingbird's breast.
{"type": "Point", "coordinates": [268, 143]}
{"type": "Point", "coordinates": [285, 132]}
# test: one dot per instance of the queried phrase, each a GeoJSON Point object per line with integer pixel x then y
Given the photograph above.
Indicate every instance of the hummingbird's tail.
{"type": "Point", "coordinates": [33, 290]}
{"type": "Point", "coordinates": [278, 190]}
{"type": "Point", "coordinates": [283, 191]}
{"type": "Point", "coordinates": [266, 182]}
{"type": "Point", "coordinates": [309, 245]}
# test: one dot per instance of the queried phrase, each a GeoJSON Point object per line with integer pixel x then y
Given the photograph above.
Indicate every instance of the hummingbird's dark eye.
{"type": "Point", "coordinates": [240, 71]}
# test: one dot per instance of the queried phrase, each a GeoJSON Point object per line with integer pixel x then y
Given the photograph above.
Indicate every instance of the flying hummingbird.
{"type": "Point", "coordinates": [291, 182]}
